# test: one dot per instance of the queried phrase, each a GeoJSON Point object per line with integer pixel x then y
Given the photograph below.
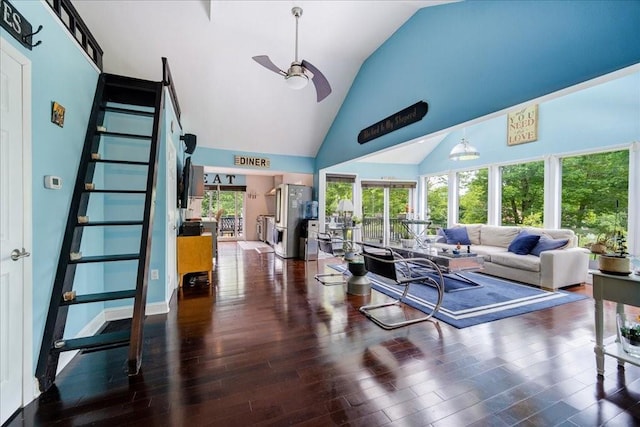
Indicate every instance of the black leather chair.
{"type": "Point", "coordinates": [391, 265]}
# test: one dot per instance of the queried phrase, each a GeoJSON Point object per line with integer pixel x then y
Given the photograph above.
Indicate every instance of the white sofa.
{"type": "Point", "coordinates": [553, 269]}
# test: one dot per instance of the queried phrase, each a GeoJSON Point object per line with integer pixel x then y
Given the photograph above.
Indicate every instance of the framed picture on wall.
{"type": "Point", "coordinates": [57, 114]}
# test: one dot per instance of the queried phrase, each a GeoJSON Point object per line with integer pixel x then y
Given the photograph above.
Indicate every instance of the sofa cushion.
{"type": "Point", "coordinates": [556, 233]}
{"type": "Point", "coordinates": [493, 235]}
{"type": "Point", "coordinates": [457, 235]}
{"type": "Point", "coordinates": [547, 244]}
{"type": "Point", "coordinates": [473, 231]}
{"type": "Point", "coordinates": [523, 243]}
{"type": "Point", "coordinates": [522, 262]}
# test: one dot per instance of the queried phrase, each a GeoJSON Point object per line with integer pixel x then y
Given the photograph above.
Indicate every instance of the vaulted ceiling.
{"type": "Point", "coordinates": [228, 100]}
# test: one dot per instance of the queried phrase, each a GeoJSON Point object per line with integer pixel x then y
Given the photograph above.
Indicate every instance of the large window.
{"type": "Point", "coordinates": [523, 194]}
{"type": "Point", "coordinates": [437, 198]}
{"type": "Point", "coordinates": [473, 196]}
{"type": "Point", "coordinates": [595, 196]}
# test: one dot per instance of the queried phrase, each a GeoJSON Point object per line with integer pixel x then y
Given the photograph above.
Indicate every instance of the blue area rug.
{"type": "Point", "coordinates": [496, 299]}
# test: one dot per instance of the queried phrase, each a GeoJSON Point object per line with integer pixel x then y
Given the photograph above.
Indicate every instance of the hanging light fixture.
{"type": "Point", "coordinates": [463, 150]}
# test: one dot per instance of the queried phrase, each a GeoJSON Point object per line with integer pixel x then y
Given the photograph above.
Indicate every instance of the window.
{"type": "Point", "coordinates": [595, 196]}
{"type": "Point", "coordinates": [523, 194]}
{"type": "Point", "coordinates": [473, 187]}
{"type": "Point", "coordinates": [437, 189]}
{"type": "Point", "coordinates": [339, 187]}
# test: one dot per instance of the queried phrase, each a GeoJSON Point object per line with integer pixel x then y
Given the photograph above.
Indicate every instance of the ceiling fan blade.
{"type": "Point", "coordinates": [323, 88]}
{"type": "Point", "coordinates": [266, 62]}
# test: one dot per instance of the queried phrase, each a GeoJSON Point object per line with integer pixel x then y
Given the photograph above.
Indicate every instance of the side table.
{"type": "Point", "coordinates": [622, 290]}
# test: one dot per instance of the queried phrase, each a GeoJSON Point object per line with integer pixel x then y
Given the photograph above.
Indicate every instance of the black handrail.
{"type": "Point", "coordinates": [167, 80]}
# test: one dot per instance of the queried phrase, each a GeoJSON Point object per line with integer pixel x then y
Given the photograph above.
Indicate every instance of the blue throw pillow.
{"type": "Point", "coordinates": [547, 244]}
{"type": "Point", "coordinates": [523, 243]}
{"type": "Point", "coordinates": [457, 235]}
{"type": "Point", "coordinates": [440, 236]}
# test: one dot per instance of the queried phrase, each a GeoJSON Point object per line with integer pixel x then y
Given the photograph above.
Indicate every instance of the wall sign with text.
{"type": "Point", "coordinates": [395, 121]}
{"type": "Point", "coordinates": [257, 162]}
{"type": "Point", "coordinates": [522, 125]}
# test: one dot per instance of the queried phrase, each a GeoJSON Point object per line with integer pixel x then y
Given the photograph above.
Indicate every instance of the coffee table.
{"type": "Point", "coordinates": [449, 264]}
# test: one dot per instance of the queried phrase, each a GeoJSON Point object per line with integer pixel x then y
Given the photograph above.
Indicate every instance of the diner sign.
{"type": "Point", "coordinates": [409, 115]}
{"type": "Point", "coordinates": [522, 125]}
{"type": "Point", "coordinates": [258, 162]}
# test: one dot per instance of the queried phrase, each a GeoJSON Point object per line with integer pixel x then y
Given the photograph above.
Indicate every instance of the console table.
{"type": "Point", "coordinates": [622, 290]}
{"type": "Point", "coordinates": [194, 255]}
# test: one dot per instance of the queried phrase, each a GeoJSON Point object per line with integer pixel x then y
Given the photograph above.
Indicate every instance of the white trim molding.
{"type": "Point", "coordinates": [633, 232]}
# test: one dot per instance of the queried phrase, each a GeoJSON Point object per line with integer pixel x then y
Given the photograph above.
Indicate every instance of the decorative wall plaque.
{"type": "Point", "coordinates": [522, 125]}
{"type": "Point", "coordinates": [395, 121]}
{"type": "Point", "coordinates": [258, 162]}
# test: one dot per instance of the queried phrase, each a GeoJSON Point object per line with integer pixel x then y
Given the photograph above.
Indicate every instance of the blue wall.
{"type": "Point", "coordinates": [59, 73]}
{"type": "Point", "coordinates": [375, 171]}
{"type": "Point", "coordinates": [473, 58]}
{"type": "Point", "coordinates": [225, 158]}
{"type": "Point", "coordinates": [596, 117]}
{"type": "Point", "coordinates": [62, 73]}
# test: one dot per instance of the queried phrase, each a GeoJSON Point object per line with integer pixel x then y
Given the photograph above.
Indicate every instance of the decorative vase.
{"type": "Point", "coordinates": [629, 334]}
{"type": "Point", "coordinates": [613, 264]}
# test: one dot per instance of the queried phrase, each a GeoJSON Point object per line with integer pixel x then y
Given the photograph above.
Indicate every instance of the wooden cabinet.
{"type": "Point", "coordinates": [194, 255]}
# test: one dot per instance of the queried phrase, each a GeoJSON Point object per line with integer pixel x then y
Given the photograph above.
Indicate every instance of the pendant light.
{"type": "Point", "coordinates": [463, 150]}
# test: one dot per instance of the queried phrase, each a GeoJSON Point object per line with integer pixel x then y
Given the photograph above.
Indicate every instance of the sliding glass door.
{"type": "Point", "coordinates": [384, 205]}
{"type": "Point", "coordinates": [226, 205]}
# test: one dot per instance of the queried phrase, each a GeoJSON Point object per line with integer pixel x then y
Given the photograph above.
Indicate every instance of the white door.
{"type": "Point", "coordinates": [171, 181]}
{"type": "Point", "coordinates": [14, 238]}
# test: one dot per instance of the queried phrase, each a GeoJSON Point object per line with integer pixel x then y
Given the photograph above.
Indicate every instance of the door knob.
{"type": "Point", "coordinates": [16, 254]}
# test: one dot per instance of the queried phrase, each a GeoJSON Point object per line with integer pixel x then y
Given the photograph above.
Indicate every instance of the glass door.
{"type": "Point", "coordinates": [227, 207]}
{"type": "Point", "coordinates": [384, 206]}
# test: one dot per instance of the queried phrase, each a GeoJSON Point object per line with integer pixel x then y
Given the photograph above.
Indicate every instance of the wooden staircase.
{"type": "Point", "coordinates": [118, 166]}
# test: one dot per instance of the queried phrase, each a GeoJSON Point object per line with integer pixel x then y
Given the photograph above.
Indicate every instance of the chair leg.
{"type": "Point", "coordinates": [367, 309]}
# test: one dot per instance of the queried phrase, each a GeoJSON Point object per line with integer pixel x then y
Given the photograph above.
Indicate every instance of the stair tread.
{"type": "Point", "coordinates": [102, 340]}
{"type": "Point", "coordinates": [128, 111]}
{"type": "Point", "coordinates": [102, 296]}
{"type": "Point", "coordinates": [120, 162]}
{"type": "Point", "coordinates": [107, 223]}
{"type": "Point", "coordinates": [105, 258]}
{"type": "Point", "coordinates": [123, 135]}
{"type": "Point", "coordinates": [116, 191]}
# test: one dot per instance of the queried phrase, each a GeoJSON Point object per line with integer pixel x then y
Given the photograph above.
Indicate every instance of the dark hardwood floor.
{"type": "Point", "coordinates": [270, 346]}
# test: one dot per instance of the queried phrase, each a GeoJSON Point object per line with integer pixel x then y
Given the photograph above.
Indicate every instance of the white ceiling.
{"type": "Point", "coordinates": [229, 101]}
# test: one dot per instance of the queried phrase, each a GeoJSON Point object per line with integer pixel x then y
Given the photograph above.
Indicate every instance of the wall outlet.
{"type": "Point", "coordinates": [154, 275]}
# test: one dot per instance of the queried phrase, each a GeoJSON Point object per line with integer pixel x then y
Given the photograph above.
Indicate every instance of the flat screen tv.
{"type": "Point", "coordinates": [184, 182]}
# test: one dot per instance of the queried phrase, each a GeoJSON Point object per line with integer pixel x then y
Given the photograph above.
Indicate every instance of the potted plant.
{"type": "Point", "coordinates": [616, 262]}
{"type": "Point", "coordinates": [629, 334]}
{"type": "Point", "coordinates": [406, 239]}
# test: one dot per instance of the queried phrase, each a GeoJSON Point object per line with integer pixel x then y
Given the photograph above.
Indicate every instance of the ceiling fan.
{"type": "Point", "coordinates": [297, 75]}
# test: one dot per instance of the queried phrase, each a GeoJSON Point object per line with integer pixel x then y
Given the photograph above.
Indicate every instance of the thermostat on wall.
{"type": "Point", "coordinates": [52, 182]}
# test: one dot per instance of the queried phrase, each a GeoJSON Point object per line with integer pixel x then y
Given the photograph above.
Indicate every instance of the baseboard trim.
{"type": "Point", "coordinates": [103, 317]}
{"type": "Point", "coordinates": [91, 328]}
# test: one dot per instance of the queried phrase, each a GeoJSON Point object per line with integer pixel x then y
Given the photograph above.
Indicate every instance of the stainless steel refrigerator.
{"type": "Point", "coordinates": [290, 203]}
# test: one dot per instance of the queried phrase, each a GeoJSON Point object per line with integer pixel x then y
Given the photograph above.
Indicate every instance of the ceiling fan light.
{"type": "Point", "coordinates": [464, 151]}
{"type": "Point", "coordinates": [296, 81]}
{"type": "Point", "coordinates": [296, 77]}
